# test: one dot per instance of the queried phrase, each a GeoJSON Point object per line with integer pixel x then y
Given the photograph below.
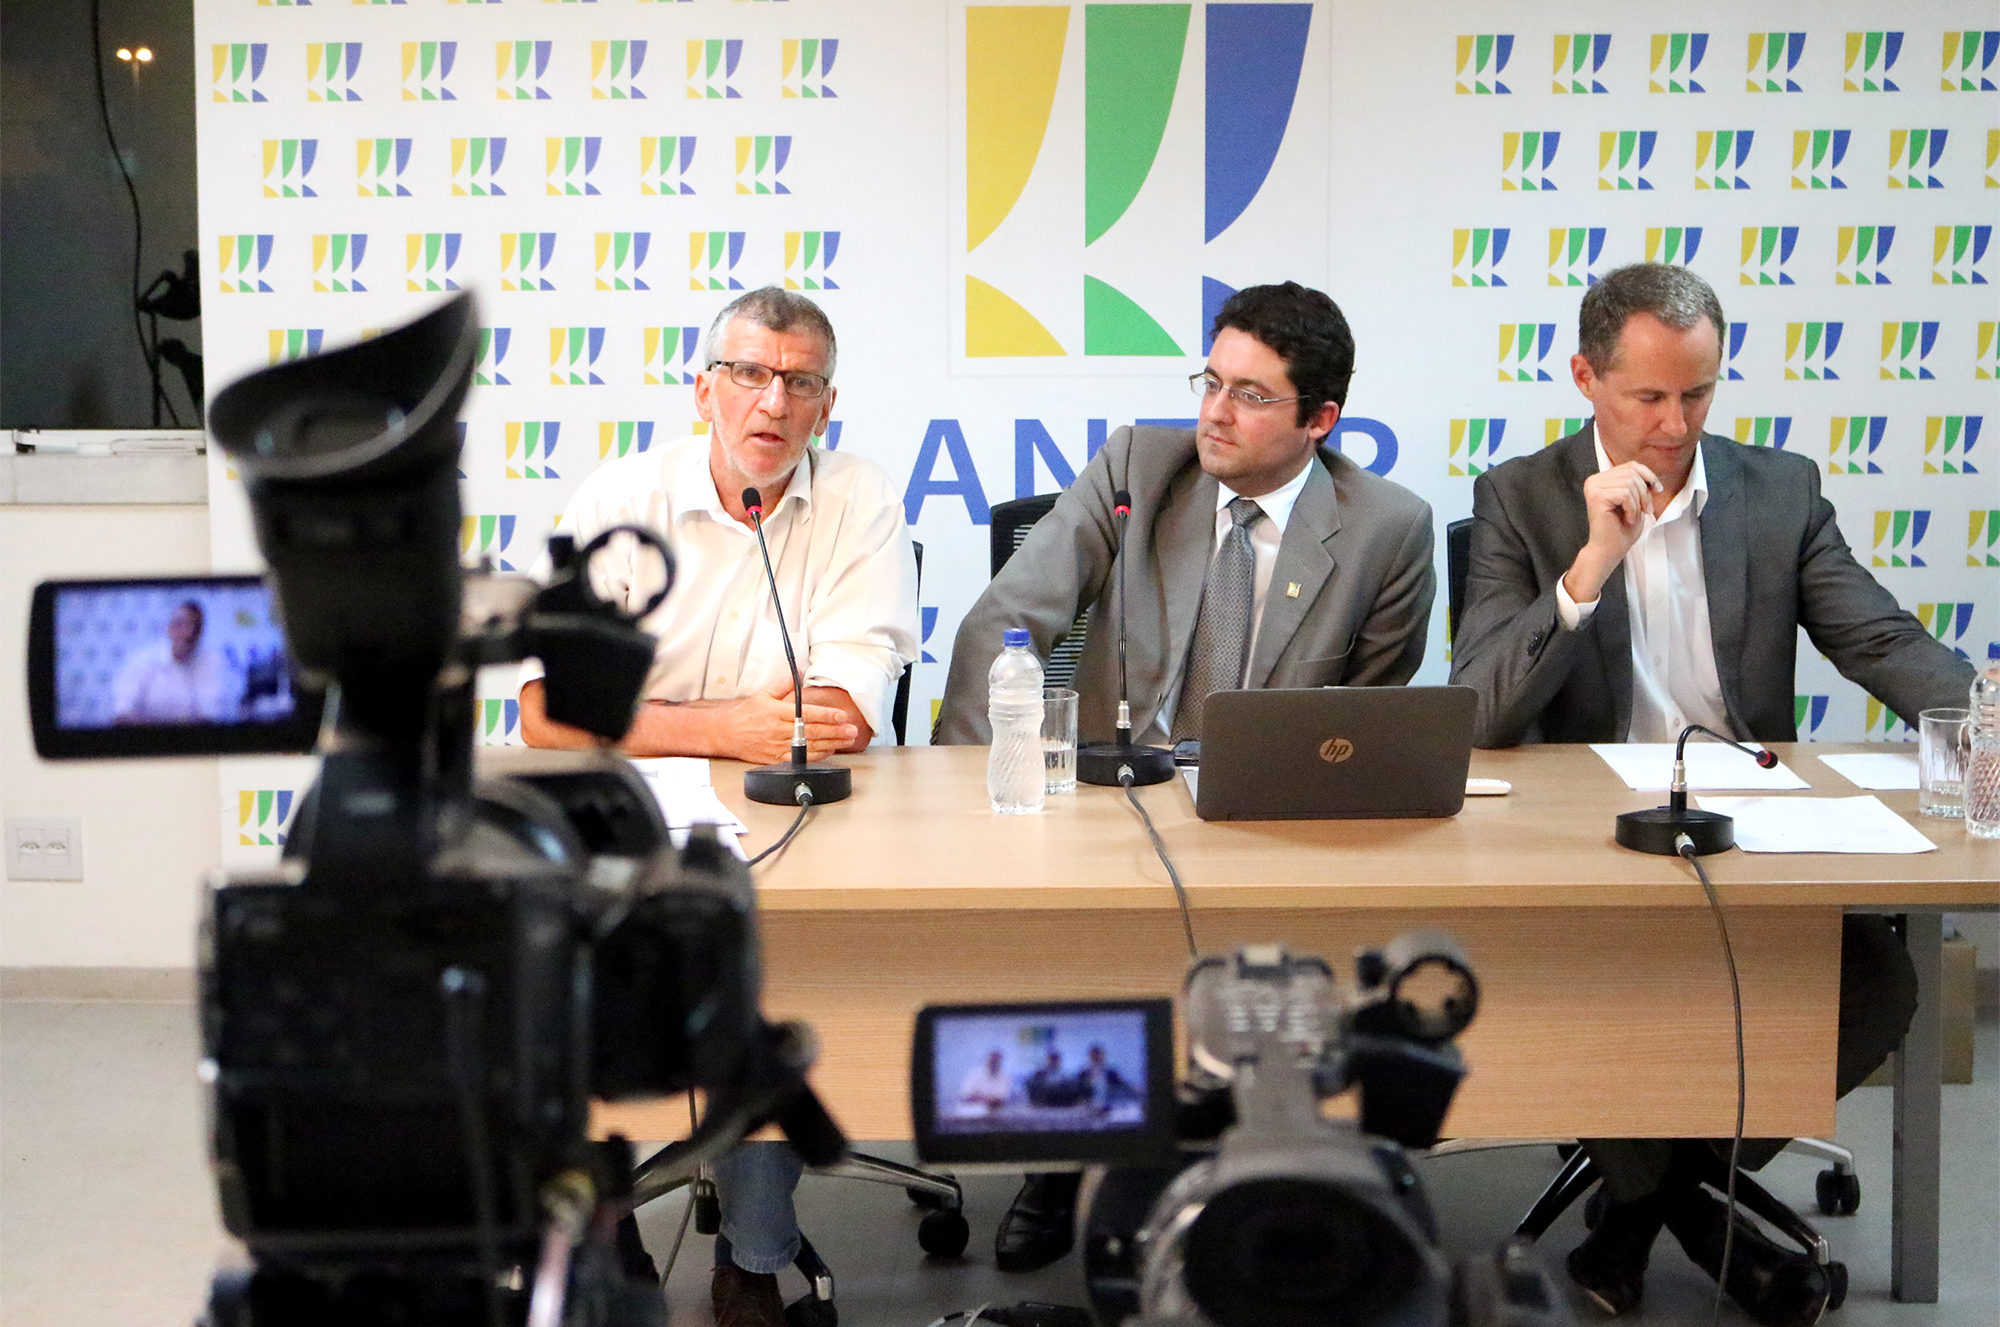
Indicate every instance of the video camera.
{"type": "Point", "coordinates": [1230, 1200]}
{"type": "Point", "coordinates": [405, 1023]}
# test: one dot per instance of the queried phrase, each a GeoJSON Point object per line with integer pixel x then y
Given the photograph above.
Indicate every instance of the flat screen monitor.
{"type": "Point", "coordinates": [163, 666]}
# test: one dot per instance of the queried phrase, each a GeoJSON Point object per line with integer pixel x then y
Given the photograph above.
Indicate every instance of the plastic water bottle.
{"type": "Point", "coordinates": [1014, 764]}
{"type": "Point", "coordinates": [1982, 770]}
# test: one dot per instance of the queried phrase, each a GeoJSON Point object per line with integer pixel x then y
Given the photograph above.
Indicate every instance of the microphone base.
{"type": "Point", "coordinates": [777, 785]}
{"type": "Point", "coordinates": [1655, 831]}
{"type": "Point", "coordinates": [1098, 764]}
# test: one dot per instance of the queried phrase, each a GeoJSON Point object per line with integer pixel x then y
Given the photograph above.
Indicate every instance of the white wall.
{"type": "Point", "coordinates": [149, 826]}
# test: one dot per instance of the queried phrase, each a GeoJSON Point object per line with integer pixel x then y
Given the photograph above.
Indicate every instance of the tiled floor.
{"type": "Point", "coordinates": [107, 1218]}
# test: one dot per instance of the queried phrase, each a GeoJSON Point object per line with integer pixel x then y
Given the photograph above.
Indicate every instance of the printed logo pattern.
{"type": "Point", "coordinates": [1579, 60]}
{"type": "Point", "coordinates": [1809, 350]}
{"type": "Point", "coordinates": [330, 70]}
{"type": "Point", "coordinates": [1555, 430]}
{"type": "Point", "coordinates": [663, 165]}
{"type": "Point", "coordinates": [237, 67]}
{"type": "Point", "coordinates": [428, 260]}
{"type": "Point", "coordinates": [1766, 250]}
{"type": "Point", "coordinates": [1982, 539]}
{"type": "Point", "coordinates": [712, 259]}
{"type": "Point", "coordinates": [808, 255]}
{"type": "Point", "coordinates": [483, 537]}
{"type": "Point", "coordinates": [337, 262]}
{"type": "Point", "coordinates": [711, 69]}
{"type": "Point", "coordinates": [1987, 356]}
{"type": "Point", "coordinates": [1947, 623]}
{"type": "Point", "coordinates": [1852, 443]}
{"type": "Point", "coordinates": [1524, 351]}
{"type": "Point", "coordinates": [1719, 155]}
{"type": "Point", "coordinates": [524, 259]}
{"type": "Point", "coordinates": [242, 260]}
{"type": "Point", "coordinates": [1526, 159]}
{"type": "Point", "coordinates": [1476, 254]}
{"type": "Point", "coordinates": [1732, 348]}
{"type": "Point", "coordinates": [571, 161]}
{"type": "Point", "coordinates": [670, 355]}
{"type": "Point", "coordinates": [760, 160]}
{"type": "Point", "coordinates": [287, 164]}
{"type": "Point", "coordinates": [614, 70]}
{"type": "Point", "coordinates": [623, 437]}
{"type": "Point", "coordinates": [1956, 252]}
{"type": "Point", "coordinates": [289, 343]}
{"type": "Point", "coordinates": [1860, 252]}
{"type": "Point", "coordinates": [379, 164]}
{"type": "Point", "coordinates": [1573, 253]}
{"type": "Point", "coordinates": [1968, 61]}
{"type": "Point", "coordinates": [475, 166]}
{"type": "Point", "coordinates": [493, 344]}
{"type": "Point", "coordinates": [1897, 535]}
{"type": "Point", "coordinates": [529, 445]}
{"type": "Point", "coordinates": [807, 63]}
{"type": "Point", "coordinates": [263, 816]}
{"type": "Point", "coordinates": [1870, 57]}
{"type": "Point", "coordinates": [1913, 156]}
{"type": "Point", "coordinates": [426, 66]}
{"type": "Point", "coordinates": [1816, 155]}
{"type": "Point", "coordinates": [1764, 430]}
{"type": "Point", "coordinates": [1948, 444]}
{"type": "Point", "coordinates": [1481, 61]}
{"type": "Point", "coordinates": [1474, 442]}
{"type": "Point", "coordinates": [573, 353]}
{"type": "Point", "coordinates": [1622, 156]}
{"type": "Point", "coordinates": [1676, 58]}
{"type": "Point", "coordinates": [1885, 726]}
{"type": "Point", "coordinates": [620, 255]}
{"type": "Point", "coordinates": [1675, 246]}
{"type": "Point", "coordinates": [1773, 58]}
{"type": "Point", "coordinates": [518, 67]}
{"type": "Point", "coordinates": [1808, 712]}
{"type": "Point", "coordinates": [1905, 347]}
{"type": "Point", "coordinates": [500, 722]}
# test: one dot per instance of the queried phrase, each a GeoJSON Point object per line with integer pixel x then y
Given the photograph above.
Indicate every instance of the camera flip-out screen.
{"type": "Point", "coordinates": [190, 666]}
{"type": "Point", "coordinates": [1087, 1081]}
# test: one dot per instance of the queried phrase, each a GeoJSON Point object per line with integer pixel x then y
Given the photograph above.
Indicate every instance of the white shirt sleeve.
{"type": "Point", "coordinates": [863, 620]}
{"type": "Point", "coordinates": [1572, 613]}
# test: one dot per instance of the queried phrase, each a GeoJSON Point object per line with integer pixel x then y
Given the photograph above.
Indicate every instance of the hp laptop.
{"type": "Point", "coordinates": [1335, 753]}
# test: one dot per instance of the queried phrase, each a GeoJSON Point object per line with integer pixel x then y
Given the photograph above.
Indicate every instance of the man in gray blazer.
{"type": "Point", "coordinates": [1641, 575]}
{"type": "Point", "coordinates": [1256, 556]}
{"type": "Point", "coordinates": [1342, 579]}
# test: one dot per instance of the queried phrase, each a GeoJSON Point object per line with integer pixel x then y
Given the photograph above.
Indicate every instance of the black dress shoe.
{"type": "Point", "coordinates": [745, 1299]}
{"type": "Point", "coordinates": [1610, 1265]}
{"type": "Point", "coordinates": [1040, 1227]}
{"type": "Point", "coordinates": [1775, 1286]}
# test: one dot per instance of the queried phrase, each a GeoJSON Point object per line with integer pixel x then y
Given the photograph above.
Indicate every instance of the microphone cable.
{"type": "Point", "coordinates": [1685, 847]}
{"type": "Point", "coordinates": [798, 823]}
{"type": "Point", "coordinates": [1160, 847]}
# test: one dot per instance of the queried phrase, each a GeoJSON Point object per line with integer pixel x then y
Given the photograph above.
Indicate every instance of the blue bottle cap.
{"type": "Point", "coordinates": [1014, 636]}
{"type": "Point", "coordinates": [1993, 649]}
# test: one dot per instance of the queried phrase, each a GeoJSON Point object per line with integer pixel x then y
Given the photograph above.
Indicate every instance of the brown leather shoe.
{"type": "Point", "coordinates": [745, 1299]}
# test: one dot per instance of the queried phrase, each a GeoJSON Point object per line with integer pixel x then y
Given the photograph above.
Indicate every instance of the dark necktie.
{"type": "Point", "coordinates": [1222, 629]}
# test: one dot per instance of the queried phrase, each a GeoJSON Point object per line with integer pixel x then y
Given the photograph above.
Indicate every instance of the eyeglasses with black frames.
{"type": "Point", "coordinates": [748, 373]}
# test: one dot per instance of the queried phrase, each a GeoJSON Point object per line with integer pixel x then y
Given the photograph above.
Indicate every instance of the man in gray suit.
{"type": "Point", "coordinates": [1339, 578]}
{"type": "Point", "coordinates": [1256, 556]}
{"type": "Point", "coordinates": [1641, 575]}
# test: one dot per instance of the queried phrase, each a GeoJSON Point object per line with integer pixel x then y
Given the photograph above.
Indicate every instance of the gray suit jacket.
{"type": "Point", "coordinates": [1357, 546]}
{"type": "Point", "coordinates": [1773, 561]}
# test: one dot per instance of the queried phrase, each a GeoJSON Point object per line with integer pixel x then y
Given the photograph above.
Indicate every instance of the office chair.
{"type": "Point", "coordinates": [899, 713]}
{"type": "Point", "coordinates": [1011, 523]}
{"type": "Point", "coordinates": [1457, 558]}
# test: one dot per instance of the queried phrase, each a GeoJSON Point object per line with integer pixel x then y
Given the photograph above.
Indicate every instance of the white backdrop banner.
{"type": "Point", "coordinates": [1021, 217]}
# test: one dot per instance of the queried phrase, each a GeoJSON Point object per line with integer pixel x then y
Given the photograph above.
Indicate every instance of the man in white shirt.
{"type": "Point", "coordinates": [1639, 576]}
{"type": "Point", "coordinates": [720, 686]}
{"type": "Point", "coordinates": [175, 680]}
{"type": "Point", "coordinates": [985, 1089]}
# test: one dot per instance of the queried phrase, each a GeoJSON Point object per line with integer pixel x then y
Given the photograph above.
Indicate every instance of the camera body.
{"type": "Point", "coordinates": [1233, 1200]}
{"type": "Point", "coordinates": [405, 1023]}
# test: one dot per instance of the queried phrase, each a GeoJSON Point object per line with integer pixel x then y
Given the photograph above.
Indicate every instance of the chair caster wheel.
{"type": "Point", "coordinates": [924, 1198]}
{"type": "Point", "coordinates": [1838, 1194]}
{"type": "Point", "coordinates": [809, 1312]}
{"type": "Point", "coordinates": [1836, 1285]}
{"type": "Point", "coordinates": [943, 1234]}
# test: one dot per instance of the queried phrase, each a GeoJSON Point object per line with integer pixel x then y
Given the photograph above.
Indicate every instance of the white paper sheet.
{"type": "Point", "coordinates": [1192, 773]}
{"type": "Point", "coordinates": [686, 797]}
{"type": "Point", "coordinates": [1883, 771]}
{"type": "Point", "coordinates": [1649, 767]}
{"type": "Point", "coordinates": [1818, 824]}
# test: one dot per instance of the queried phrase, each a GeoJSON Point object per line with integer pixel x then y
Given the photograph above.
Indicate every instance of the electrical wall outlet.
{"type": "Point", "coordinates": [44, 848]}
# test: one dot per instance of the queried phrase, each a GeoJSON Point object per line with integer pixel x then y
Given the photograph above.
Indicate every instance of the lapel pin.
{"type": "Point", "coordinates": [1292, 590]}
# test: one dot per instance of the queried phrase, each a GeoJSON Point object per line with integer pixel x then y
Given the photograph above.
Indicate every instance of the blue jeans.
{"type": "Point", "coordinates": [760, 1227]}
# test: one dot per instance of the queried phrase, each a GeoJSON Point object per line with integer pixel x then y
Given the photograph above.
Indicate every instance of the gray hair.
{"type": "Point", "coordinates": [776, 310]}
{"type": "Point", "coordinates": [1674, 295]}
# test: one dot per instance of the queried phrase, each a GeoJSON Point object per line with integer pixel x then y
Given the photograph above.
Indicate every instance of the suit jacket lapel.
{"type": "Point", "coordinates": [1305, 559]}
{"type": "Point", "coordinates": [1725, 565]}
{"type": "Point", "coordinates": [1611, 624]}
{"type": "Point", "coordinates": [1183, 541]}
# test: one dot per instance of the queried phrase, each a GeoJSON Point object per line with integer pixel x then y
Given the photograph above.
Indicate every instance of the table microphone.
{"type": "Point", "coordinates": [798, 781]}
{"type": "Point", "coordinates": [1660, 830]}
{"type": "Point", "coordinates": [1108, 764]}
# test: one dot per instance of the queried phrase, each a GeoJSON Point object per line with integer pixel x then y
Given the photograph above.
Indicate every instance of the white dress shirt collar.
{"type": "Point", "coordinates": [693, 477]}
{"type": "Point", "coordinates": [1277, 504]}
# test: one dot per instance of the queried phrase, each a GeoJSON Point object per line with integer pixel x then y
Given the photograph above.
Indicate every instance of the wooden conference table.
{"type": "Point", "coordinates": [1605, 1000]}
